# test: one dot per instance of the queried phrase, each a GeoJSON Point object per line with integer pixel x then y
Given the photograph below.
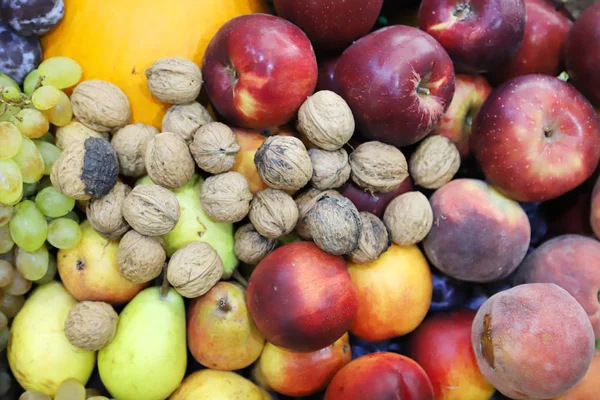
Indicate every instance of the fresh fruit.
{"type": "Point", "coordinates": [408, 60]}
{"type": "Point", "coordinates": [40, 355]}
{"type": "Point", "coordinates": [18, 55]}
{"type": "Point", "coordinates": [28, 227]}
{"type": "Point", "coordinates": [30, 161]}
{"type": "Point", "coordinates": [544, 153]}
{"type": "Point", "coordinates": [11, 185]}
{"type": "Point", "coordinates": [60, 72]}
{"type": "Point", "coordinates": [52, 203]}
{"type": "Point", "coordinates": [249, 80]}
{"type": "Point", "coordinates": [326, 76]}
{"type": "Point", "coordinates": [589, 386]}
{"type": "Point", "coordinates": [32, 123]}
{"type": "Point", "coordinates": [32, 17]}
{"type": "Point", "coordinates": [32, 265]}
{"type": "Point", "coordinates": [208, 384]}
{"type": "Point", "coordinates": [64, 233]}
{"type": "Point", "coordinates": [49, 153]}
{"type": "Point", "coordinates": [147, 357]}
{"type": "Point", "coordinates": [376, 202]}
{"type": "Point", "coordinates": [10, 137]}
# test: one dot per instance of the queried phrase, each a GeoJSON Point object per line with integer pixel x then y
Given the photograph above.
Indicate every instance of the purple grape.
{"type": "Point", "coordinates": [448, 293]}
{"type": "Point", "coordinates": [539, 225]}
{"type": "Point", "coordinates": [32, 17]}
{"type": "Point", "coordinates": [18, 55]}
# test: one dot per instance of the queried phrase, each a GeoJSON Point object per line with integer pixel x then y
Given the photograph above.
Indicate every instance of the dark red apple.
{"type": "Point", "coordinates": [479, 35]}
{"type": "Point", "coordinates": [375, 203]}
{"type": "Point", "coordinates": [582, 52]}
{"type": "Point", "coordinates": [398, 82]}
{"type": "Point", "coordinates": [331, 24]}
{"type": "Point", "coordinates": [536, 137]}
{"type": "Point", "coordinates": [302, 298]}
{"type": "Point", "coordinates": [326, 79]}
{"type": "Point", "coordinates": [258, 70]}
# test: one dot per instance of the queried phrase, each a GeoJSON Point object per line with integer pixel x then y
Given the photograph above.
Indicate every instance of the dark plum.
{"type": "Point", "coordinates": [32, 17]}
{"type": "Point", "coordinates": [18, 55]}
{"type": "Point", "coordinates": [448, 293]}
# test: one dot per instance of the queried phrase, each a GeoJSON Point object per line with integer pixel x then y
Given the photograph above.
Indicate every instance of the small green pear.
{"type": "Point", "coordinates": [148, 356]}
{"type": "Point", "coordinates": [39, 353]}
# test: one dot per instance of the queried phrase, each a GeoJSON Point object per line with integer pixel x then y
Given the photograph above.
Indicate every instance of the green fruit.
{"type": "Point", "coordinates": [39, 353]}
{"type": "Point", "coordinates": [195, 225]}
{"type": "Point", "coordinates": [148, 356]}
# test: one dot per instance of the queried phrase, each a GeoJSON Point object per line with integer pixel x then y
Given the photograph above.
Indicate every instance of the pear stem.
{"type": "Point", "coordinates": [238, 277]}
{"type": "Point", "coordinates": [164, 288]}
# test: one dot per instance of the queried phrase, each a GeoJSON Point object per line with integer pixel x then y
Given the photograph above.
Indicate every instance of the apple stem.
{"type": "Point", "coordinates": [164, 288]}
{"type": "Point", "coordinates": [423, 90]}
{"type": "Point", "coordinates": [564, 76]}
{"type": "Point", "coordinates": [239, 278]}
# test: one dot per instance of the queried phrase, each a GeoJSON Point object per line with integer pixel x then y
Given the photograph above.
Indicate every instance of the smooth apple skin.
{"type": "Point", "coordinates": [542, 48]}
{"type": "Point", "coordinates": [374, 203]}
{"type": "Point", "coordinates": [398, 82]}
{"type": "Point", "coordinates": [331, 24]}
{"type": "Point", "coordinates": [326, 78]}
{"type": "Point", "coordinates": [582, 52]}
{"type": "Point", "coordinates": [479, 35]}
{"type": "Point", "coordinates": [258, 70]}
{"type": "Point", "coordinates": [536, 138]}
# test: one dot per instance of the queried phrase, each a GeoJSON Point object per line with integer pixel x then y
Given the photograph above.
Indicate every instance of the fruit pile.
{"type": "Point", "coordinates": [344, 200]}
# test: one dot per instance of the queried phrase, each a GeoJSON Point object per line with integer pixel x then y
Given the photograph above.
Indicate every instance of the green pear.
{"type": "Point", "coordinates": [39, 353]}
{"type": "Point", "coordinates": [148, 356]}
{"type": "Point", "coordinates": [195, 225]}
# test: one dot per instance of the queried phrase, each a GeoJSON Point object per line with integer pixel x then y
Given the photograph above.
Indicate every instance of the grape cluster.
{"type": "Point", "coordinates": [71, 389]}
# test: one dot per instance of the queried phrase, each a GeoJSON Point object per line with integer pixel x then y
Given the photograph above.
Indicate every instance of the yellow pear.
{"type": "Point", "coordinates": [148, 356]}
{"type": "Point", "coordinates": [209, 384]}
{"type": "Point", "coordinates": [39, 353]}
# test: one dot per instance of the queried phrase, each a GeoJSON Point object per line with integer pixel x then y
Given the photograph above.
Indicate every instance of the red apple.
{"type": "Point", "coordinates": [331, 24]}
{"type": "Point", "coordinates": [541, 51]}
{"type": "Point", "coordinates": [536, 138]}
{"type": "Point", "coordinates": [470, 94]}
{"type": "Point", "coordinates": [302, 298]}
{"type": "Point", "coordinates": [582, 52]}
{"type": "Point", "coordinates": [258, 70]}
{"type": "Point", "coordinates": [398, 82]}
{"type": "Point", "coordinates": [381, 375]}
{"type": "Point", "coordinates": [479, 35]}
{"type": "Point", "coordinates": [375, 203]}
{"type": "Point", "coordinates": [442, 346]}
{"type": "Point", "coordinates": [326, 79]}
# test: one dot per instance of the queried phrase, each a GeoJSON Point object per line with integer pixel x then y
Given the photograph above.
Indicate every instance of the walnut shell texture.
{"type": "Point", "coordinates": [100, 105]}
{"type": "Point", "coordinates": [435, 162]}
{"type": "Point", "coordinates": [305, 202]}
{"type": "Point", "coordinates": [378, 167]}
{"type": "Point", "coordinates": [330, 168]}
{"type": "Point", "coordinates": [408, 218]}
{"type": "Point", "coordinates": [214, 148]}
{"type": "Point", "coordinates": [186, 119]}
{"type": "Point", "coordinates": [140, 258]}
{"type": "Point", "coordinates": [273, 213]}
{"type": "Point", "coordinates": [105, 214]}
{"type": "Point", "coordinates": [326, 120]}
{"type": "Point", "coordinates": [174, 80]}
{"type": "Point", "coordinates": [151, 210]}
{"type": "Point", "coordinates": [250, 246]}
{"type": "Point", "coordinates": [374, 240]}
{"type": "Point", "coordinates": [226, 197]}
{"type": "Point", "coordinates": [73, 132]}
{"type": "Point", "coordinates": [194, 269]}
{"type": "Point", "coordinates": [283, 163]}
{"type": "Point", "coordinates": [91, 325]}
{"type": "Point", "coordinates": [130, 144]}
{"type": "Point", "coordinates": [168, 160]}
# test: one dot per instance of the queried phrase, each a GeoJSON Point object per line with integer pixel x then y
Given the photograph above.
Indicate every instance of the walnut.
{"type": "Point", "coordinates": [226, 197]}
{"type": "Point", "coordinates": [100, 105]}
{"type": "Point", "coordinates": [130, 144]}
{"type": "Point", "coordinates": [214, 148]}
{"type": "Point", "coordinates": [326, 120]}
{"type": "Point", "coordinates": [140, 258]}
{"type": "Point", "coordinates": [330, 168]}
{"type": "Point", "coordinates": [335, 225]}
{"type": "Point", "coordinates": [91, 325]}
{"type": "Point", "coordinates": [305, 203]}
{"type": "Point", "coordinates": [186, 119]}
{"type": "Point", "coordinates": [105, 214]}
{"type": "Point", "coordinates": [168, 160]}
{"type": "Point", "coordinates": [283, 163]}
{"type": "Point", "coordinates": [86, 170]}
{"type": "Point", "coordinates": [374, 240]}
{"type": "Point", "coordinates": [409, 218]}
{"type": "Point", "coordinates": [435, 162]}
{"type": "Point", "coordinates": [250, 246]}
{"type": "Point", "coordinates": [273, 213]}
{"type": "Point", "coordinates": [73, 132]}
{"type": "Point", "coordinates": [151, 210]}
{"type": "Point", "coordinates": [194, 269]}
{"type": "Point", "coordinates": [174, 80]}
{"type": "Point", "coordinates": [378, 167]}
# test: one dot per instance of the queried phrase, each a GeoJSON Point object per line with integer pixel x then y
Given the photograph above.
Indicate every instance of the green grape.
{"type": "Point", "coordinates": [4, 338]}
{"type": "Point", "coordinates": [10, 140]}
{"type": "Point", "coordinates": [44, 183]}
{"type": "Point", "coordinates": [7, 273]}
{"type": "Point", "coordinates": [7, 81]}
{"type": "Point", "coordinates": [32, 266]}
{"type": "Point", "coordinates": [8, 114]}
{"type": "Point", "coordinates": [6, 242]}
{"type": "Point", "coordinates": [18, 286]}
{"type": "Point", "coordinates": [28, 227]}
{"type": "Point", "coordinates": [98, 398]}
{"type": "Point", "coordinates": [64, 233]}
{"type": "Point", "coordinates": [32, 123]}
{"type": "Point", "coordinates": [70, 389]}
{"type": "Point", "coordinates": [48, 138]}
{"type": "Point", "coordinates": [3, 321]}
{"type": "Point", "coordinates": [72, 215]}
{"type": "Point", "coordinates": [61, 72]}
{"type": "Point", "coordinates": [49, 154]}
{"type": "Point", "coordinates": [33, 395]}
{"type": "Point", "coordinates": [11, 93]}
{"type": "Point", "coordinates": [45, 97]}
{"type": "Point", "coordinates": [62, 113]}
{"type": "Point", "coordinates": [53, 203]}
{"type": "Point", "coordinates": [11, 305]}
{"type": "Point", "coordinates": [30, 161]}
{"type": "Point", "coordinates": [5, 214]}
{"type": "Point", "coordinates": [29, 189]}
{"type": "Point", "coordinates": [11, 182]}
{"type": "Point", "coordinates": [30, 82]}
{"type": "Point", "coordinates": [50, 272]}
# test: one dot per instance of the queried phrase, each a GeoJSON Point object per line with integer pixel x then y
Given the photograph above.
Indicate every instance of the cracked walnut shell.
{"type": "Point", "coordinates": [140, 258]}
{"type": "Point", "coordinates": [273, 213]}
{"type": "Point", "coordinates": [100, 105]}
{"type": "Point", "coordinates": [130, 144]}
{"type": "Point", "coordinates": [91, 325]}
{"type": "Point", "coordinates": [194, 269]}
{"type": "Point", "coordinates": [378, 167]}
{"type": "Point", "coordinates": [214, 148]}
{"type": "Point", "coordinates": [105, 214]}
{"type": "Point", "coordinates": [435, 162]}
{"type": "Point", "coordinates": [283, 163]}
{"type": "Point", "coordinates": [409, 218]}
{"type": "Point", "coordinates": [151, 210]}
{"type": "Point", "coordinates": [168, 160]}
{"type": "Point", "coordinates": [174, 80]}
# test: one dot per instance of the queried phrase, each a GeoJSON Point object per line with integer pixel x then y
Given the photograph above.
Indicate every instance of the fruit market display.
{"type": "Point", "coordinates": [333, 200]}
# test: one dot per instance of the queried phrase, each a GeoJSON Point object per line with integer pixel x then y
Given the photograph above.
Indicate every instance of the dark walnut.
{"type": "Point", "coordinates": [283, 163]}
{"type": "Point", "coordinates": [373, 242]}
{"type": "Point", "coordinates": [305, 202]}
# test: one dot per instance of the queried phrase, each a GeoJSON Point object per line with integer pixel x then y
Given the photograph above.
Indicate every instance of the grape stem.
{"type": "Point", "coordinates": [22, 101]}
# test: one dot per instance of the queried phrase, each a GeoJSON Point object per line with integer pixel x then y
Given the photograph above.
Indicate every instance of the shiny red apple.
{"type": "Point", "coordinates": [398, 82]}
{"type": "Point", "coordinates": [258, 70]}
{"type": "Point", "coordinates": [326, 78]}
{"type": "Point", "coordinates": [374, 203]}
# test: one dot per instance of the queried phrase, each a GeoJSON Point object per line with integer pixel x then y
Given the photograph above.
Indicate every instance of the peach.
{"type": "Point", "coordinates": [478, 234]}
{"type": "Point", "coordinates": [589, 387]}
{"type": "Point", "coordinates": [595, 209]}
{"type": "Point", "coordinates": [398, 283]}
{"type": "Point", "coordinates": [533, 341]}
{"type": "Point", "coordinates": [571, 262]}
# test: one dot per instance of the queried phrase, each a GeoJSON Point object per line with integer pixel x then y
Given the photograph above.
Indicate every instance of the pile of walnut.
{"type": "Point", "coordinates": [302, 174]}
